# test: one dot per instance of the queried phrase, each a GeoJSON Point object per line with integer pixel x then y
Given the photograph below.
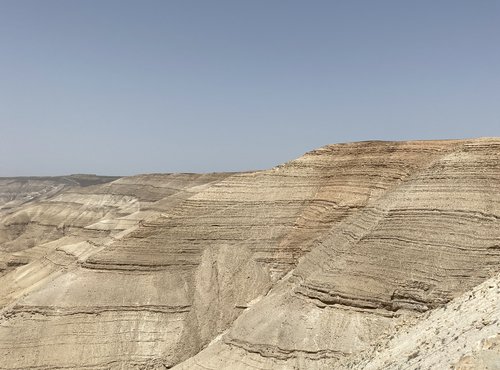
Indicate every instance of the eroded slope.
{"type": "Point", "coordinates": [421, 244]}
{"type": "Point", "coordinates": [305, 265]}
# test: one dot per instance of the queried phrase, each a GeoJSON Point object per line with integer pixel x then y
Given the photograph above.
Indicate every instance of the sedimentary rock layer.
{"type": "Point", "coordinates": [310, 264]}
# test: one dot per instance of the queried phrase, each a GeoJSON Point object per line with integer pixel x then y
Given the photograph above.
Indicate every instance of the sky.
{"type": "Point", "coordinates": [126, 87]}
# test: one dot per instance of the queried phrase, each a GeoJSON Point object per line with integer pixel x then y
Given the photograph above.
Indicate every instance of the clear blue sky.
{"type": "Point", "coordinates": [125, 87]}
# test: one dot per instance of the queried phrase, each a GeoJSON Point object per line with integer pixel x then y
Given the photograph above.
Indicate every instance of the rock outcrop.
{"type": "Point", "coordinates": [347, 257]}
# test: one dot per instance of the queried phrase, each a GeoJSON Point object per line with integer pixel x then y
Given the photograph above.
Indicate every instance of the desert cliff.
{"type": "Point", "coordinates": [369, 255]}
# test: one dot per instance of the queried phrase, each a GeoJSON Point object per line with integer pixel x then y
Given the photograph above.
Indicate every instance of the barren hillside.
{"type": "Point", "coordinates": [369, 255]}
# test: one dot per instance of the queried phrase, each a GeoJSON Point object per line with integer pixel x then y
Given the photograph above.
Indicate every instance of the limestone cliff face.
{"type": "Point", "coordinates": [316, 263]}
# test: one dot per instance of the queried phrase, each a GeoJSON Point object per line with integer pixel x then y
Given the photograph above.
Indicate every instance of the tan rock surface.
{"type": "Point", "coordinates": [313, 264]}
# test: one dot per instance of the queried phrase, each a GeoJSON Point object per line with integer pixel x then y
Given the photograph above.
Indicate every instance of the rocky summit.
{"type": "Point", "coordinates": [368, 255]}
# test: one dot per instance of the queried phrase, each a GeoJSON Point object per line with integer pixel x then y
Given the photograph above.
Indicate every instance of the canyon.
{"type": "Point", "coordinates": [365, 255]}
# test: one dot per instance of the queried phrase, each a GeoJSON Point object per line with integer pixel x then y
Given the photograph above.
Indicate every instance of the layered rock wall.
{"type": "Point", "coordinates": [307, 265]}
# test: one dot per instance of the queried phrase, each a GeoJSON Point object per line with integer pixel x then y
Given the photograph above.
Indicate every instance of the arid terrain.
{"type": "Point", "coordinates": [368, 255]}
